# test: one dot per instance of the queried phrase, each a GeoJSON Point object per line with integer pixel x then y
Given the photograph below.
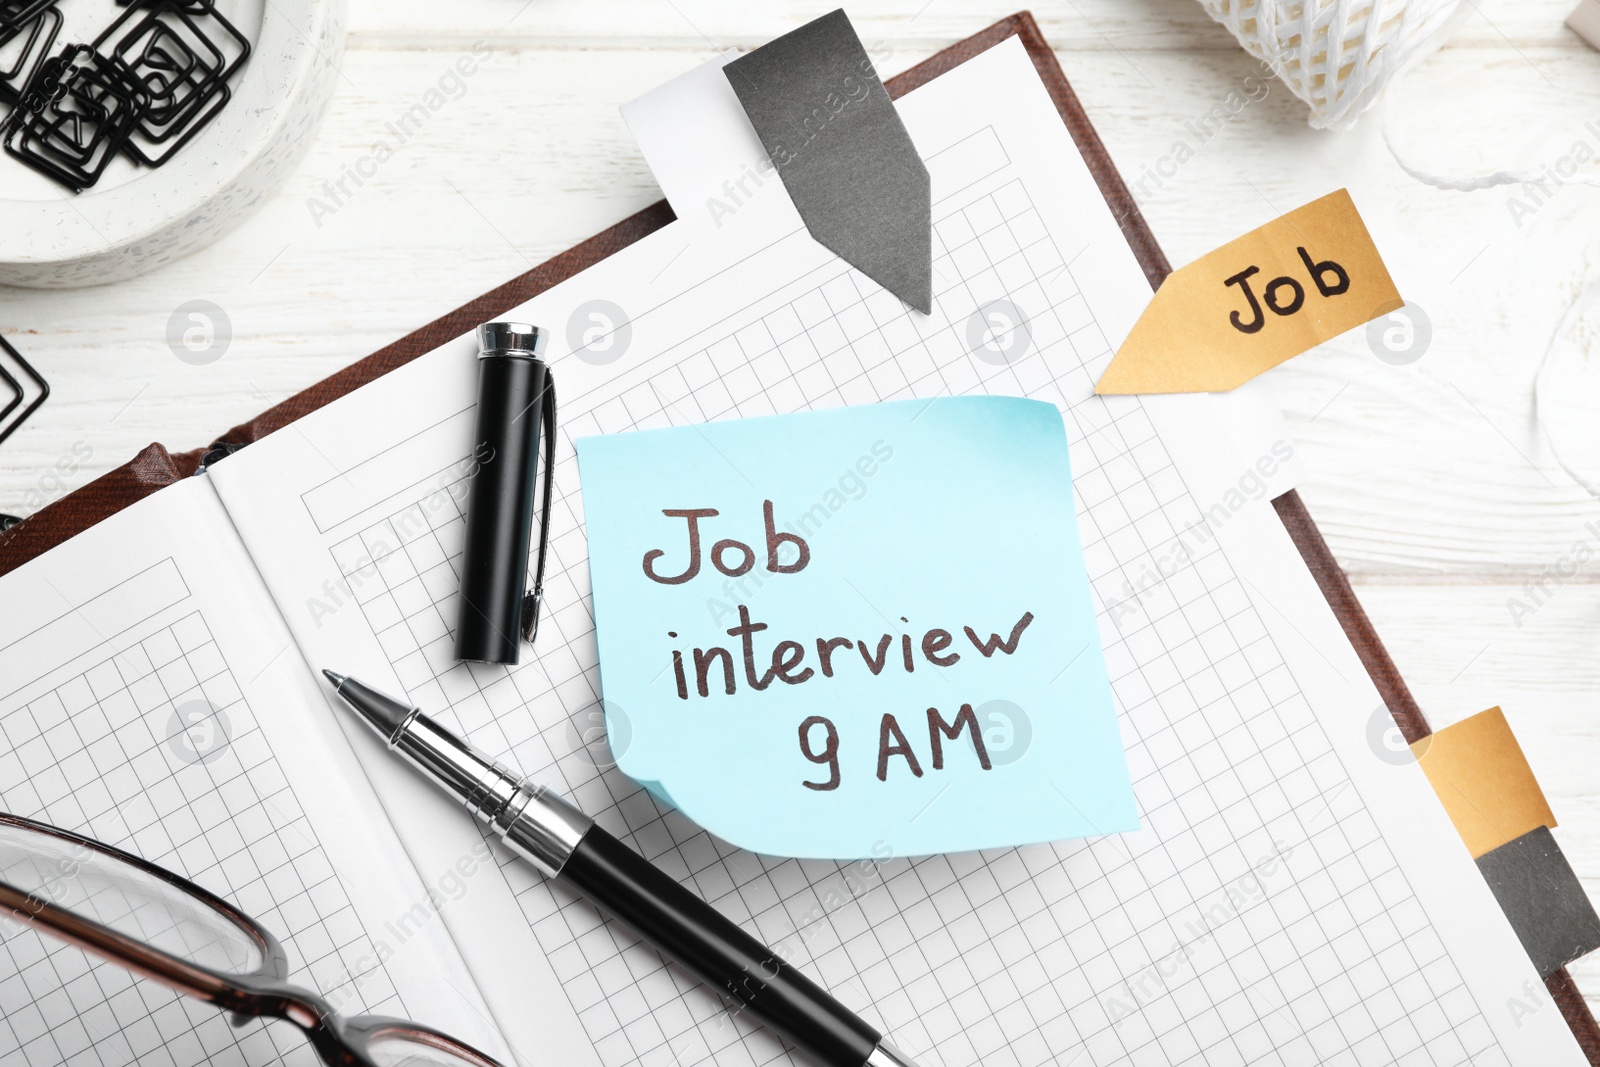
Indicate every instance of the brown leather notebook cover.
{"type": "Point", "coordinates": [155, 466]}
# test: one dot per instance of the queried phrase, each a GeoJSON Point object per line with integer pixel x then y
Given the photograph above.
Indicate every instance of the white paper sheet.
{"type": "Point", "coordinates": [701, 148]}
{"type": "Point", "coordinates": [1293, 898]}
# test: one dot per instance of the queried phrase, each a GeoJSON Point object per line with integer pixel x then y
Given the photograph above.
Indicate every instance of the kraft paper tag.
{"type": "Point", "coordinates": [1483, 781]}
{"type": "Point", "coordinates": [1259, 300]}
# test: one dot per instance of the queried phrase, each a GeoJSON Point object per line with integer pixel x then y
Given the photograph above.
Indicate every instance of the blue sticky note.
{"type": "Point", "coordinates": [855, 633]}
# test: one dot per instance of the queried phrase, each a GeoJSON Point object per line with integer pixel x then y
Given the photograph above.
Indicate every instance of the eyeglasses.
{"type": "Point", "coordinates": [167, 929]}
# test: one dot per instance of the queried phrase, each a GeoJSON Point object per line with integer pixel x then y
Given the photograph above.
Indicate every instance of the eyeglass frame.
{"type": "Point", "coordinates": [265, 993]}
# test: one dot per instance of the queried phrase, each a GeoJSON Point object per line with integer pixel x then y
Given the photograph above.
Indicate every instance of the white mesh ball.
{"type": "Point", "coordinates": [1336, 55]}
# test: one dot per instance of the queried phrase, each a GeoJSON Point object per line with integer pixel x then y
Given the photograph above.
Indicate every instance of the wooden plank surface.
{"type": "Point", "coordinates": [1432, 482]}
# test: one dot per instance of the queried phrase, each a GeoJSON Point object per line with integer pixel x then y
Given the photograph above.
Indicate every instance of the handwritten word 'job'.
{"type": "Point", "coordinates": [1284, 295]}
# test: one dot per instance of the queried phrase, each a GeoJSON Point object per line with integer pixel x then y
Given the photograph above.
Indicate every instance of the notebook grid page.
{"type": "Point", "coordinates": [153, 749]}
{"type": "Point", "coordinates": [1258, 917]}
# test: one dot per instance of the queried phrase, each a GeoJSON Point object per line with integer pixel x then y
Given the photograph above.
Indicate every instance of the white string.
{"type": "Point", "coordinates": [1337, 55]}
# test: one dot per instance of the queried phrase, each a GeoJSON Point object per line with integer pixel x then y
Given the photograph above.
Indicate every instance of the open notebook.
{"type": "Point", "coordinates": [1293, 896]}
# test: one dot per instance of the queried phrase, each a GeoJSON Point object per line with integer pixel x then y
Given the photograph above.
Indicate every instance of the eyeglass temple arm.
{"type": "Point", "coordinates": [111, 946]}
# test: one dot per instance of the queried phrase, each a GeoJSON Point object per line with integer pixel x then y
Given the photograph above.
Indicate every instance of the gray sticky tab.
{"type": "Point", "coordinates": [845, 157]}
{"type": "Point", "coordinates": [1541, 895]}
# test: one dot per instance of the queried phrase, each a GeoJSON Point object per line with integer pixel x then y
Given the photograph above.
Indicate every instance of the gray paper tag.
{"type": "Point", "coordinates": [845, 157]}
{"type": "Point", "coordinates": [1541, 895]}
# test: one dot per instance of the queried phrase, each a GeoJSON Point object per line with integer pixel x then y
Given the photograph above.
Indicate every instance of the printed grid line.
{"type": "Point", "coordinates": [1016, 956]}
{"type": "Point", "coordinates": [109, 753]}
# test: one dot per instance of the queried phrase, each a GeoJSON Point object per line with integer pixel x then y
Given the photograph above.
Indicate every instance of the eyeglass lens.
{"type": "Point", "coordinates": [125, 898]}
{"type": "Point", "coordinates": [60, 1005]}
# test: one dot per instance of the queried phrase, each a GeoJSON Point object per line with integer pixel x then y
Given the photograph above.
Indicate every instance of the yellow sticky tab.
{"type": "Point", "coordinates": [1296, 282]}
{"type": "Point", "coordinates": [1483, 781]}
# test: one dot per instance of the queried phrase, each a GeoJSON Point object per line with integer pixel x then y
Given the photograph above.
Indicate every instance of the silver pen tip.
{"type": "Point", "coordinates": [383, 713]}
{"type": "Point", "coordinates": [886, 1055]}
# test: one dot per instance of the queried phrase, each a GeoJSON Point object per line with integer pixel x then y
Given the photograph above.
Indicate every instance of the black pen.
{"type": "Point", "coordinates": [564, 843]}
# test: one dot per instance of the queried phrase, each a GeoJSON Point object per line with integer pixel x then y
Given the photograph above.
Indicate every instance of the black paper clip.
{"type": "Point", "coordinates": [152, 80]}
{"type": "Point", "coordinates": [183, 68]}
{"type": "Point", "coordinates": [11, 360]}
{"type": "Point", "coordinates": [14, 13]}
{"type": "Point", "coordinates": [27, 43]}
{"type": "Point", "coordinates": [19, 398]}
{"type": "Point", "coordinates": [75, 115]}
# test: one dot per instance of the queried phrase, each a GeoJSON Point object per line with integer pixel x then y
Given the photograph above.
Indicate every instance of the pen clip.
{"type": "Point", "coordinates": [533, 599]}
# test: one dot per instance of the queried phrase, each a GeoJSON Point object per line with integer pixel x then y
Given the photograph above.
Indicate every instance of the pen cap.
{"type": "Point", "coordinates": [516, 398]}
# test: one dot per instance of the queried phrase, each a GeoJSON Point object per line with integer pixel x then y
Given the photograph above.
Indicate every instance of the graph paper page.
{"type": "Point", "coordinates": [1293, 895]}
{"type": "Point", "coordinates": [151, 698]}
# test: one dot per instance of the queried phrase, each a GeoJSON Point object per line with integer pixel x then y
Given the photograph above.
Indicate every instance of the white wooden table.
{"type": "Point", "coordinates": [1432, 481]}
